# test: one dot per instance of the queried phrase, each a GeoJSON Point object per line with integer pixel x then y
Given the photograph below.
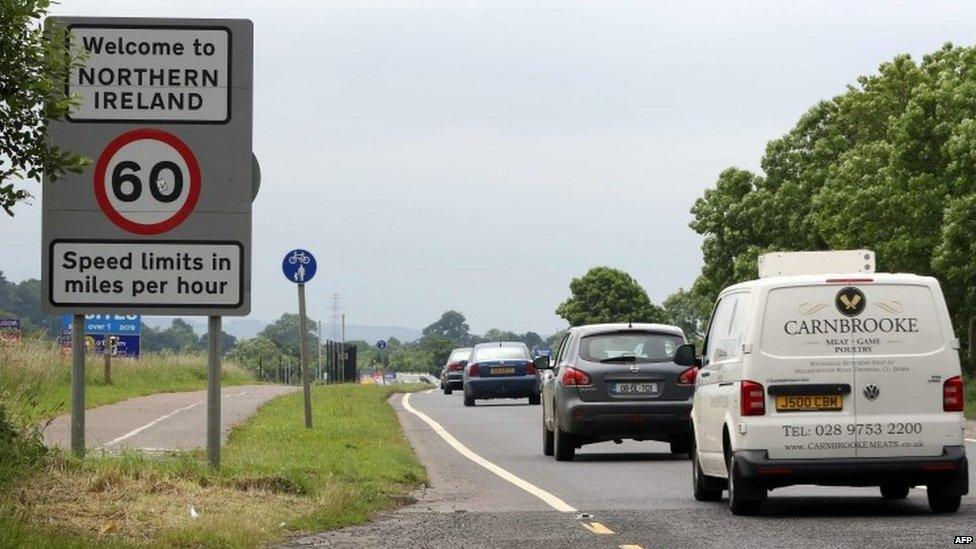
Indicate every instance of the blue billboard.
{"type": "Point", "coordinates": [126, 330]}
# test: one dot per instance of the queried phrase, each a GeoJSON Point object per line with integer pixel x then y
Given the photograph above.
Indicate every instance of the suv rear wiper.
{"type": "Point", "coordinates": [625, 358]}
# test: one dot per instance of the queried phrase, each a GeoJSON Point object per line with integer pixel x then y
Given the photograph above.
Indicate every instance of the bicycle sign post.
{"type": "Point", "coordinates": [299, 267]}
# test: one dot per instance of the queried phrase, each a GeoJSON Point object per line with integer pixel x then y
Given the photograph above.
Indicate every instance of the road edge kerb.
{"type": "Point", "coordinates": [547, 497]}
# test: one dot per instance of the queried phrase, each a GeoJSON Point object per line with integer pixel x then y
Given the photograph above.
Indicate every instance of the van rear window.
{"type": "Point", "coordinates": [864, 320]}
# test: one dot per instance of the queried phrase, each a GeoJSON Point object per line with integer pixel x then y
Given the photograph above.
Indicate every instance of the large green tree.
{"type": "Point", "coordinates": [890, 165]}
{"type": "Point", "coordinates": [285, 331]}
{"type": "Point", "coordinates": [451, 325]}
{"type": "Point", "coordinates": [33, 68]}
{"type": "Point", "coordinates": [604, 294]}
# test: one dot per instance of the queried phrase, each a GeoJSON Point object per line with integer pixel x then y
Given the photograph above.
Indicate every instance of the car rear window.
{"type": "Point", "coordinates": [864, 320]}
{"type": "Point", "coordinates": [501, 353]}
{"type": "Point", "coordinates": [459, 355]}
{"type": "Point", "coordinates": [643, 346]}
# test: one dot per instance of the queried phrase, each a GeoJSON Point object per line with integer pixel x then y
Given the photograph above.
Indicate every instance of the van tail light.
{"type": "Point", "coordinates": [850, 280]}
{"type": "Point", "coordinates": [530, 369]}
{"type": "Point", "coordinates": [688, 376]}
{"type": "Point", "coordinates": [952, 399]}
{"type": "Point", "coordinates": [752, 398]}
{"type": "Point", "coordinates": [578, 378]}
{"type": "Point", "coordinates": [472, 370]}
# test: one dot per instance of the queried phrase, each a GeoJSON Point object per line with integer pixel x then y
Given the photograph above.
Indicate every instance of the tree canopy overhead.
{"type": "Point", "coordinates": [889, 165]}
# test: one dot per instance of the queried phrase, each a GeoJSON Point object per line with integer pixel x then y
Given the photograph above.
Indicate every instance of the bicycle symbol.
{"type": "Point", "coordinates": [299, 257]}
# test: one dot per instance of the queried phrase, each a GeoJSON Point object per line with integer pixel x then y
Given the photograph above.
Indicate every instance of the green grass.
{"type": "Point", "coordinates": [35, 378]}
{"type": "Point", "coordinates": [277, 479]}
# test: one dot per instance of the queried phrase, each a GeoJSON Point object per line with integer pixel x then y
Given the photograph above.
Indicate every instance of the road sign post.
{"type": "Point", "coordinates": [213, 390]}
{"type": "Point", "coordinates": [161, 222]}
{"type": "Point", "coordinates": [299, 266]}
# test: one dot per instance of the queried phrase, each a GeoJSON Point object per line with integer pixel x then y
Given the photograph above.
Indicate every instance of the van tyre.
{"type": "Point", "coordinates": [894, 491]}
{"type": "Point", "coordinates": [940, 502]}
{"type": "Point", "coordinates": [564, 445]}
{"type": "Point", "coordinates": [706, 488]}
{"type": "Point", "coordinates": [745, 497]}
{"type": "Point", "coordinates": [468, 400]}
{"type": "Point", "coordinates": [548, 439]}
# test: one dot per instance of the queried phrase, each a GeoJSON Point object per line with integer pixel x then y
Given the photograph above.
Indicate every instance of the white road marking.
{"type": "Point", "coordinates": [138, 430]}
{"type": "Point", "coordinates": [548, 498]}
{"type": "Point", "coordinates": [971, 440]}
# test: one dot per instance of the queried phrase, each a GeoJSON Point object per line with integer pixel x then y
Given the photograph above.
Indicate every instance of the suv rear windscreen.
{"type": "Point", "coordinates": [501, 353]}
{"type": "Point", "coordinates": [833, 320]}
{"type": "Point", "coordinates": [459, 355]}
{"type": "Point", "coordinates": [635, 346]}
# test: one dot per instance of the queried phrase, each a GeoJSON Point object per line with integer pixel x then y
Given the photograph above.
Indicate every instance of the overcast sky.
{"type": "Point", "coordinates": [479, 155]}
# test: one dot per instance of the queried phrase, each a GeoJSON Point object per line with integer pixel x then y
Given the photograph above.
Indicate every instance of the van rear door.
{"type": "Point", "coordinates": [901, 342]}
{"type": "Point", "coordinates": [805, 363]}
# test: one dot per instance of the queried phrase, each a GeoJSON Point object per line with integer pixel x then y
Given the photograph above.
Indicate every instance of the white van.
{"type": "Point", "coordinates": [848, 379]}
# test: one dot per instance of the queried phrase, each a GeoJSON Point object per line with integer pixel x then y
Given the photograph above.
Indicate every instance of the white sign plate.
{"type": "Point", "coordinates": [151, 273]}
{"type": "Point", "coordinates": [161, 74]}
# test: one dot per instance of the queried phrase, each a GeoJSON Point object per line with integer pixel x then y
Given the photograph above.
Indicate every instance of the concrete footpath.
{"type": "Point", "coordinates": [164, 421]}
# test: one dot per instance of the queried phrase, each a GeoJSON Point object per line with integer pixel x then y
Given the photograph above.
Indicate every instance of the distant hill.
{"type": "Point", "coordinates": [249, 327]}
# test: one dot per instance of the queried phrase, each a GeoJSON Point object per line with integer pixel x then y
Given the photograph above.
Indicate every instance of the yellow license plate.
{"type": "Point", "coordinates": [502, 371]}
{"type": "Point", "coordinates": [809, 403]}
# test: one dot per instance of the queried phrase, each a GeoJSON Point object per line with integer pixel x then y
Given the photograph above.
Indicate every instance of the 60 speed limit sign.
{"type": "Point", "coordinates": [147, 181]}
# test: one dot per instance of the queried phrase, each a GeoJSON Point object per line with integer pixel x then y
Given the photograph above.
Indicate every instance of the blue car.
{"type": "Point", "coordinates": [502, 369]}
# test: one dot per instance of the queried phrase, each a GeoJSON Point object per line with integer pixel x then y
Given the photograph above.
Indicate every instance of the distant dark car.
{"type": "Point", "coordinates": [613, 382]}
{"type": "Point", "coordinates": [500, 370]}
{"type": "Point", "coordinates": [453, 372]}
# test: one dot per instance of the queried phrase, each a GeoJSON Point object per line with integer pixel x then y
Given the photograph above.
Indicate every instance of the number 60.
{"type": "Point", "coordinates": [118, 178]}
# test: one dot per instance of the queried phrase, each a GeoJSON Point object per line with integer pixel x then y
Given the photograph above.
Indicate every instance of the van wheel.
{"type": "Point", "coordinates": [468, 400]}
{"type": "Point", "coordinates": [745, 497]}
{"type": "Point", "coordinates": [548, 442]}
{"type": "Point", "coordinates": [894, 491]}
{"type": "Point", "coordinates": [535, 400]}
{"type": "Point", "coordinates": [942, 503]}
{"type": "Point", "coordinates": [706, 488]}
{"type": "Point", "coordinates": [564, 445]}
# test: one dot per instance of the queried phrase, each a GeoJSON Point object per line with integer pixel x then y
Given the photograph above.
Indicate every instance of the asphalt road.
{"type": "Point", "coordinates": [628, 495]}
{"type": "Point", "coordinates": [164, 421]}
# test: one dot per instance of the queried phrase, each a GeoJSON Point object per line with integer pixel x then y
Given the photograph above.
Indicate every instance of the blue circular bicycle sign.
{"type": "Point", "coordinates": [298, 266]}
{"type": "Point", "coordinates": [381, 344]}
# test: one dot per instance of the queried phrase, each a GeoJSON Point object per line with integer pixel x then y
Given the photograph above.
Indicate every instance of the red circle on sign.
{"type": "Point", "coordinates": [147, 228]}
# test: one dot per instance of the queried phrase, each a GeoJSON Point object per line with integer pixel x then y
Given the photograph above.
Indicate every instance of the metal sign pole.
{"type": "Point", "coordinates": [303, 327]}
{"type": "Point", "coordinates": [78, 385]}
{"type": "Point", "coordinates": [213, 390]}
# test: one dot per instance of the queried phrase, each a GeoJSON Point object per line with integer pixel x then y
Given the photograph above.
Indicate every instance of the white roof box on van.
{"type": "Point", "coordinates": [812, 263]}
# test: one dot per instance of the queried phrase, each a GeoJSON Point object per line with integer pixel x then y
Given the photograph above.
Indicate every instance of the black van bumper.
{"type": "Point", "coordinates": [949, 472]}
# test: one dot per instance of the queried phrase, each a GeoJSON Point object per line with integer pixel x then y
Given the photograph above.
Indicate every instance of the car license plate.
{"type": "Point", "coordinates": [633, 388]}
{"type": "Point", "coordinates": [508, 370]}
{"type": "Point", "coordinates": [809, 403]}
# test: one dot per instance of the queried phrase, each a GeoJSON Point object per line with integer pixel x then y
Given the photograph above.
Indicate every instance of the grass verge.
{"type": "Point", "coordinates": [277, 479]}
{"type": "Point", "coordinates": [35, 378]}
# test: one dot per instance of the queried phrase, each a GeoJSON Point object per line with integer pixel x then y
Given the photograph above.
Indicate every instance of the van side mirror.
{"type": "Point", "coordinates": [542, 363]}
{"type": "Point", "coordinates": [684, 355]}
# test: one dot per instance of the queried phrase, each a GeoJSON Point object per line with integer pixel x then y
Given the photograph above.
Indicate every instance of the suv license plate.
{"type": "Point", "coordinates": [809, 403]}
{"type": "Point", "coordinates": [509, 370]}
{"type": "Point", "coordinates": [633, 388]}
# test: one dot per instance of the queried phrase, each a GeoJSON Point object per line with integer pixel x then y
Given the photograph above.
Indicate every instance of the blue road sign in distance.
{"type": "Point", "coordinates": [298, 266]}
{"type": "Point", "coordinates": [108, 324]}
{"type": "Point", "coordinates": [381, 344]}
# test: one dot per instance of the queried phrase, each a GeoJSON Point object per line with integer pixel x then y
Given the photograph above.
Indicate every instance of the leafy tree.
{"type": "Point", "coordinates": [256, 351]}
{"type": "Point", "coordinates": [888, 165]}
{"type": "Point", "coordinates": [689, 311]}
{"type": "Point", "coordinates": [438, 347]}
{"type": "Point", "coordinates": [451, 325]}
{"type": "Point", "coordinates": [607, 295]}
{"type": "Point", "coordinates": [284, 332]}
{"type": "Point", "coordinates": [33, 69]}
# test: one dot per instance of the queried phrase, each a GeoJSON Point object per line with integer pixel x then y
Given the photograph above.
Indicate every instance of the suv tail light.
{"type": "Point", "coordinates": [530, 369]}
{"type": "Point", "coordinates": [952, 399]}
{"type": "Point", "coordinates": [572, 376]}
{"type": "Point", "coordinates": [752, 398]}
{"type": "Point", "coordinates": [688, 376]}
{"type": "Point", "coordinates": [454, 367]}
{"type": "Point", "coordinates": [472, 370]}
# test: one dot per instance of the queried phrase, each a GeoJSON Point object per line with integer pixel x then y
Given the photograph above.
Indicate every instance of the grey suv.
{"type": "Point", "coordinates": [616, 381]}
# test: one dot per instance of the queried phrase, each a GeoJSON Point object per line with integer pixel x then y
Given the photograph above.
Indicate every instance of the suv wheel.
{"type": "Point", "coordinates": [745, 497]}
{"type": "Point", "coordinates": [548, 442]}
{"type": "Point", "coordinates": [706, 488]}
{"type": "Point", "coordinates": [564, 445]}
{"type": "Point", "coordinates": [447, 390]}
{"type": "Point", "coordinates": [894, 491]}
{"type": "Point", "coordinates": [535, 400]}
{"type": "Point", "coordinates": [468, 400]}
{"type": "Point", "coordinates": [681, 446]}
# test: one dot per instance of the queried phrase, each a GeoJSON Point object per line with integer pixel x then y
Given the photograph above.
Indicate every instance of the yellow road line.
{"type": "Point", "coordinates": [597, 528]}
